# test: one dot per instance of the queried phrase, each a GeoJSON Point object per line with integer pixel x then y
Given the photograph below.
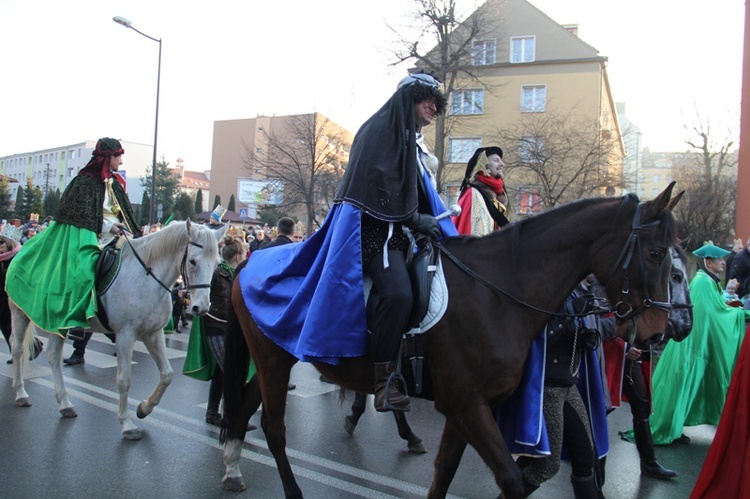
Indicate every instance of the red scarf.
{"type": "Point", "coordinates": [496, 184]}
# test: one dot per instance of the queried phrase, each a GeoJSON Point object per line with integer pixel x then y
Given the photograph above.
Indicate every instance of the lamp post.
{"type": "Point", "coordinates": [121, 20]}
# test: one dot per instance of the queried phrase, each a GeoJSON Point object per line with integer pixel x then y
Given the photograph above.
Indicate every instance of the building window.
{"type": "Point", "coordinates": [533, 98]}
{"type": "Point", "coordinates": [529, 200]}
{"type": "Point", "coordinates": [530, 149]}
{"type": "Point", "coordinates": [483, 53]}
{"type": "Point", "coordinates": [461, 150]}
{"type": "Point", "coordinates": [522, 49]}
{"type": "Point", "coordinates": [467, 102]}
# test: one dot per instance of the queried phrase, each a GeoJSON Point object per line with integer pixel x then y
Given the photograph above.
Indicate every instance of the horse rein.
{"type": "Point", "coordinates": [183, 271]}
{"type": "Point", "coordinates": [627, 252]}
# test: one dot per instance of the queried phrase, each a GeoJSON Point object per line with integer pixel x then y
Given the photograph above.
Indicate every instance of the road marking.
{"type": "Point", "coordinates": [300, 471]}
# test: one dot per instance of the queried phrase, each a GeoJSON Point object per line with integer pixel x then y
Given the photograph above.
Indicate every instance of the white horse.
{"type": "Point", "coordinates": [138, 306]}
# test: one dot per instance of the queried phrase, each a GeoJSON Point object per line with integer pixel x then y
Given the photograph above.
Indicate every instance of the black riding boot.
{"type": "Point", "coordinates": [214, 397]}
{"type": "Point", "coordinates": [645, 444]}
{"type": "Point", "coordinates": [387, 396]}
{"type": "Point", "coordinates": [585, 488]}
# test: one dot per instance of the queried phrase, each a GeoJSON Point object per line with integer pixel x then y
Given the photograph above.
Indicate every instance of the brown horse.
{"type": "Point", "coordinates": [502, 288]}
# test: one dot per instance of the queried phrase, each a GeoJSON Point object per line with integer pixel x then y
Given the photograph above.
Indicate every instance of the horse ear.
{"type": "Point", "coordinates": [188, 225]}
{"type": "Point", "coordinates": [675, 200]}
{"type": "Point", "coordinates": [656, 206]}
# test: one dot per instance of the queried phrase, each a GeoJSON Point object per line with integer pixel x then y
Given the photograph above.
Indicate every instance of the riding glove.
{"type": "Point", "coordinates": [425, 224]}
{"type": "Point", "coordinates": [589, 338]}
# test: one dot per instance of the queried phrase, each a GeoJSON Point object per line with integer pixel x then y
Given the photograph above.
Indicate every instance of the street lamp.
{"type": "Point", "coordinates": [121, 20]}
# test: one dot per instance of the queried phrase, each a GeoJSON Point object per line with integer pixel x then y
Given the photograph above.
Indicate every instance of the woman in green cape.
{"type": "Point", "coordinates": [52, 279]}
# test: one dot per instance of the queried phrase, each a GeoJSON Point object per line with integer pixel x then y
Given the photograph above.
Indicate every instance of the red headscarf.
{"type": "Point", "coordinates": [98, 167]}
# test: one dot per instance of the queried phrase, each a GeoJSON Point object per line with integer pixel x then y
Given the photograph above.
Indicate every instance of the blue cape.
{"type": "Point", "coordinates": [309, 297]}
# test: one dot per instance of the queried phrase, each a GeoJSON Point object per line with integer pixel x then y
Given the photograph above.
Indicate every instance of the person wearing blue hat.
{"type": "Point", "coordinates": [692, 377]}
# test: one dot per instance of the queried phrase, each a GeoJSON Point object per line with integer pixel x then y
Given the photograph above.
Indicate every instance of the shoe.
{"type": "Point", "coordinates": [75, 359]}
{"type": "Point", "coordinates": [184, 324]}
{"type": "Point", "coordinates": [213, 418]}
{"type": "Point", "coordinates": [251, 427]}
{"type": "Point", "coordinates": [682, 439]}
{"type": "Point", "coordinates": [177, 330]}
{"type": "Point", "coordinates": [77, 333]}
{"type": "Point", "coordinates": [9, 361]}
{"type": "Point", "coordinates": [290, 387]}
{"type": "Point", "coordinates": [656, 470]}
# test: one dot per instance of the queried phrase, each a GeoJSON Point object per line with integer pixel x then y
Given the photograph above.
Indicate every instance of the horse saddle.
{"type": "Point", "coordinates": [107, 268]}
{"type": "Point", "coordinates": [428, 286]}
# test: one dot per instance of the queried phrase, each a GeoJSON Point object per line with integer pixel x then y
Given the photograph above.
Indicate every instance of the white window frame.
{"type": "Point", "coordinates": [483, 52]}
{"type": "Point", "coordinates": [538, 101]}
{"type": "Point", "coordinates": [522, 49]}
{"type": "Point", "coordinates": [465, 102]}
{"type": "Point", "coordinates": [461, 149]}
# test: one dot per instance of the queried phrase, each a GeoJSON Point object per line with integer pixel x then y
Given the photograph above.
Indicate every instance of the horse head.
{"type": "Point", "coordinates": [639, 281]}
{"type": "Point", "coordinates": [198, 264]}
{"type": "Point", "coordinates": [681, 317]}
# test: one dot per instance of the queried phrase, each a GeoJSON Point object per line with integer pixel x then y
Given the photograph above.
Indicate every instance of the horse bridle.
{"type": "Point", "coordinates": [183, 271]}
{"type": "Point", "coordinates": [626, 256]}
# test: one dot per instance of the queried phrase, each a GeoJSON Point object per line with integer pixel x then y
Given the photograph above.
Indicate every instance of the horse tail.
{"type": "Point", "coordinates": [236, 365]}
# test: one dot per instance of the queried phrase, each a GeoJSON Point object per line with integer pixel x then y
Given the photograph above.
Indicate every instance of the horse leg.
{"type": "Point", "coordinates": [475, 425]}
{"type": "Point", "coordinates": [358, 408]}
{"type": "Point", "coordinates": [18, 335]}
{"type": "Point", "coordinates": [54, 357]}
{"type": "Point", "coordinates": [251, 399]}
{"type": "Point", "coordinates": [452, 447]}
{"type": "Point", "coordinates": [414, 443]}
{"type": "Point", "coordinates": [124, 347]}
{"type": "Point", "coordinates": [157, 347]}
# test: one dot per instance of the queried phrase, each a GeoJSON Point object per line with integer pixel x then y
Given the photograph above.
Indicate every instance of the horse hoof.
{"type": "Point", "coordinates": [349, 426]}
{"type": "Point", "coordinates": [23, 402]}
{"type": "Point", "coordinates": [417, 448]}
{"type": "Point", "coordinates": [235, 484]}
{"type": "Point", "coordinates": [132, 434]}
{"type": "Point", "coordinates": [140, 412]}
{"type": "Point", "coordinates": [69, 412]}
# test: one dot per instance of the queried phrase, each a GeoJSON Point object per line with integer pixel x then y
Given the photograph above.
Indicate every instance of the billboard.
{"type": "Point", "coordinates": [256, 192]}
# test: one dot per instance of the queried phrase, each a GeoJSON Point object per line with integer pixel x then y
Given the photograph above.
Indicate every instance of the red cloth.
{"type": "Point", "coordinates": [463, 223]}
{"type": "Point", "coordinates": [727, 468]}
{"type": "Point", "coordinates": [614, 366]}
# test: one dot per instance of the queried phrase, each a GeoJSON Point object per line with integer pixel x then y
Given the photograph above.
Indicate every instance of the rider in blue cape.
{"type": "Point", "coordinates": [310, 298]}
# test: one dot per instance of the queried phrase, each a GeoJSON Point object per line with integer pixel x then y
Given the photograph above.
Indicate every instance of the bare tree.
{"type": "Point", "coordinates": [709, 177]}
{"type": "Point", "coordinates": [309, 156]}
{"type": "Point", "coordinates": [554, 157]}
{"type": "Point", "coordinates": [450, 36]}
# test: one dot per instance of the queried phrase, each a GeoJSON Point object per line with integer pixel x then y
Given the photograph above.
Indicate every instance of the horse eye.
{"type": "Point", "coordinates": [677, 278]}
{"type": "Point", "coordinates": [193, 262]}
{"type": "Point", "coordinates": [657, 255]}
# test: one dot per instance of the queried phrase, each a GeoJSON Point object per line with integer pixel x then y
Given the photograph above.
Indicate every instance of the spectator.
{"type": "Point", "coordinates": [736, 249]}
{"type": "Point", "coordinates": [9, 247]}
{"type": "Point", "coordinates": [285, 230]}
{"type": "Point", "coordinates": [740, 270]}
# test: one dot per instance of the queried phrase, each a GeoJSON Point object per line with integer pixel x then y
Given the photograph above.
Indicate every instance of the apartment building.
{"type": "Point", "coordinates": [54, 168]}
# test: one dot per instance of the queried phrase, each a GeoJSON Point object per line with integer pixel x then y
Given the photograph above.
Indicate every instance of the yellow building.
{"type": "Point", "coordinates": [533, 87]}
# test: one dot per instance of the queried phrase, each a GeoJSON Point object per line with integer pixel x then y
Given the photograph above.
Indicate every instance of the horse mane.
{"type": "Point", "coordinates": [171, 239]}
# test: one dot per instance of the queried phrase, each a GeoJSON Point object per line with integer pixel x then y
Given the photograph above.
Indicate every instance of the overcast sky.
{"type": "Point", "coordinates": [68, 73]}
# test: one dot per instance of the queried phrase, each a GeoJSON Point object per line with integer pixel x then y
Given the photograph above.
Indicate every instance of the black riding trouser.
{"type": "Point", "coordinates": [634, 388]}
{"type": "Point", "coordinates": [388, 320]}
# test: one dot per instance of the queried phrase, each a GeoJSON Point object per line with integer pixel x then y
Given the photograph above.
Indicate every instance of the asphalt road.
{"type": "Point", "coordinates": [43, 455]}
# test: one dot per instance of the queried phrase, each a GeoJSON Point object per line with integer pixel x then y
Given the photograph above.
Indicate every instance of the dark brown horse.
{"type": "Point", "coordinates": [499, 301]}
